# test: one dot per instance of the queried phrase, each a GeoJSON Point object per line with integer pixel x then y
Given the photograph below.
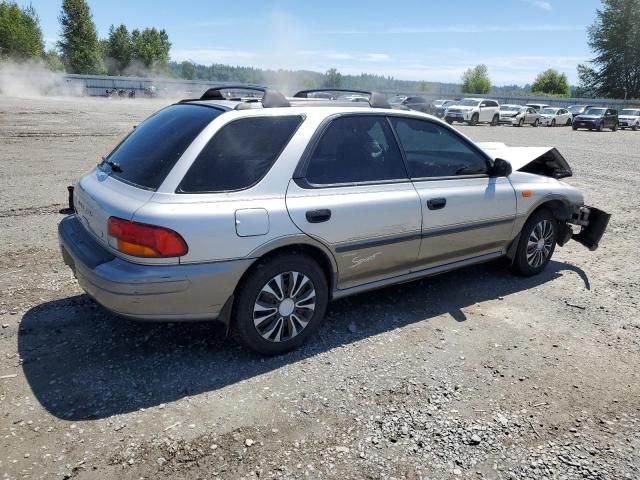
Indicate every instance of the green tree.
{"type": "Point", "coordinates": [188, 70]}
{"type": "Point", "coordinates": [333, 79]}
{"type": "Point", "coordinates": [476, 80]}
{"type": "Point", "coordinates": [151, 49]}
{"type": "Point", "coordinates": [20, 34]}
{"type": "Point", "coordinates": [79, 45]}
{"type": "Point", "coordinates": [551, 82]}
{"type": "Point", "coordinates": [52, 59]}
{"type": "Point", "coordinates": [615, 39]}
{"type": "Point", "coordinates": [587, 82]}
{"type": "Point", "coordinates": [118, 50]}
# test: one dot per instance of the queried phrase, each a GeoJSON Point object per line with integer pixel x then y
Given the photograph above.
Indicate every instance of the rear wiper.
{"type": "Point", "coordinates": [115, 167]}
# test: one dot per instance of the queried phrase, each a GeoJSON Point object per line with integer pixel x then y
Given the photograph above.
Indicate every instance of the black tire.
{"type": "Point", "coordinates": [569, 122]}
{"type": "Point", "coordinates": [242, 326]}
{"type": "Point", "coordinates": [601, 127]}
{"type": "Point", "coordinates": [450, 122]}
{"type": "Point", "coordinates": [635, 127]}
{"type": "Point", "coordinates": [521, 264]}
{"type": "Point", "coordinates": [521, 122]}
{"type": "Point", "coordinates": [615, 127]}
{"type": "Point", "coordinates": [553, 123]}
{"type": "Point", "coordinates": [495, 120]}
{"type": "Point", "coordinates": [574, 127]}
{"type": "Point", "coordinates": [536, 123]}
{"type": "Point", "coordinates": [474, 119]}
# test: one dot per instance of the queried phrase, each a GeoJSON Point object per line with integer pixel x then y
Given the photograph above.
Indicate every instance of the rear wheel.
{"type": "Point", "coordinates": [449, 121]}
{"type": "Point", "coordinates": [537, 243]}
{"type": "Point", "coordinates": [521, 122]}
{"type": "Point", "coordinates": [568, 124]}
{"type": "Point", "coordinates": [280, 304]}
{"type": "Point", "coordinates": [635, 127]}
{"type": "Point", "coordinates": [495, 120]}
{"type": "Point", "coordinates": [536, 123]}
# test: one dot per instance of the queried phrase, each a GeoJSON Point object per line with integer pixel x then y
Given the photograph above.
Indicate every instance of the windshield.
{"type": "Point", "coordinates": [469, 102]}
{"type": "Point", "coordinates": [510, 108]}
{"type": "Point", "coordinates": [397, 99]}
{"type": "Point", "coordinates": [438, 103]}
{"type": "Point", "coordinates": [596, 111]}
{"type": "Point", "coordinates": [147, 155]}
{"type": "Point", "coordinates": [576, 108]}
{"type": "Point", "coordinates": [630, 112]}
{"type": "Point", "coordinates": [549, 111]}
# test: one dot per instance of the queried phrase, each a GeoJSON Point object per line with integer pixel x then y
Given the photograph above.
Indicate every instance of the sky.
{"type": "Point", "coordinates": [410, 40]}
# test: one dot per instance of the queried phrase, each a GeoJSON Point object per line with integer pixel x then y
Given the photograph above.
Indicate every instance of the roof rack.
{"type": "Point", "coordinates": [270, 98]}
{"type": "Point", "coordinates": [376, 99]}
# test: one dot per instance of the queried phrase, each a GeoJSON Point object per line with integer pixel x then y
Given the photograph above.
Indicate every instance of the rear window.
{"type": "Point", "coordinates": [240, 154]}
{"type": "Point", "coordinates": [148, 154]}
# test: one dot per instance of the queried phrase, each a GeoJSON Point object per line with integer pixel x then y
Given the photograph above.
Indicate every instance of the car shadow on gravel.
{"type": "Point", "coordinates": [85, 363]}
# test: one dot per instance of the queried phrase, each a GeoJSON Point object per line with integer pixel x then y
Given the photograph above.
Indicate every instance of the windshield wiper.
{"type": "Point", "coordinates": [115, 167]}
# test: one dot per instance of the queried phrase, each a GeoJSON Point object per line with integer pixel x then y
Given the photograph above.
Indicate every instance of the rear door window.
{"type": "Point", "coordinates": [356, 149]}
{"type": "Point", "coordinates": [240, 154]}
{"type": "Point", "coordinates": [434, 151]}
{"type": "Point", "coordinates": [147, 155]}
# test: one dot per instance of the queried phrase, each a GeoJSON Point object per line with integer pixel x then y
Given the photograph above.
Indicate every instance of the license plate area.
{"type": "Point", "coordinates": [591, 234]}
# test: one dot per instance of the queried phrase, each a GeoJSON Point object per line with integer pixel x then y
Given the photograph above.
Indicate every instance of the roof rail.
{"type": "Point", "coordinates": [270, 98]}
{"type": "Point", "coordinates": [376, 99]}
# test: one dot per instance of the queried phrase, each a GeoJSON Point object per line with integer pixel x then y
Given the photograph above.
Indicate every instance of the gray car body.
{"type": "Point", "coordinates": [379, 233]}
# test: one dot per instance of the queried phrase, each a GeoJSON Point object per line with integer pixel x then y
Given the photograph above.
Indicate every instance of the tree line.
{"type": "Point", "coordinates": [614, 71]}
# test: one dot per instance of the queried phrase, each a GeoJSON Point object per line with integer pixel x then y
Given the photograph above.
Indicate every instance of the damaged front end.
{"type": "Point", "coordinates": [585, 225]}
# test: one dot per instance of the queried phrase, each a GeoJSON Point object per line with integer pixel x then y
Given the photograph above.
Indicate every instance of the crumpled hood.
{"type": "Point", "coordinates": [545, 161]}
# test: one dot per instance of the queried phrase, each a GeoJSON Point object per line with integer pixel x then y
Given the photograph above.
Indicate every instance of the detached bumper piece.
{"type": "Point", "coordinates": [594, 223]}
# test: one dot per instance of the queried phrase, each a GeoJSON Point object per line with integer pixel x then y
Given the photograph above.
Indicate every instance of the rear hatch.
{"type": "Point", "coordinates": [130, 175]}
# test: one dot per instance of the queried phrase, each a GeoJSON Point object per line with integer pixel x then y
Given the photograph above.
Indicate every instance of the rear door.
{"type": "Point", "coordinates": [352, 193]}
{"type": "Point", "coordinates": [465, 213]}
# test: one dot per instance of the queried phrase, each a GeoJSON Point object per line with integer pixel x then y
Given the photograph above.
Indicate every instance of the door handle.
{"type": "Point", "coordinates": [436, 203]}
{"type": "Point", "coordinates": [318, 216]}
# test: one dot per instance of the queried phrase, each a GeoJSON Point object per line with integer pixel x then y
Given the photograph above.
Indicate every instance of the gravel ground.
{"type": "Point", "coordinates": [471, 374]}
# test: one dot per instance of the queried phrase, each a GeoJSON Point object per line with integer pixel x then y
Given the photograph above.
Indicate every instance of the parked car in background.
{"type": "Point", "coordinates": [537, 106]}
{"type": "Point", "coordinates": [420, 104]}
{"type": "Point", "coordinates": [474, 111]}
{"type": "Point", "coordinates": [553, 117]}
{"type": "Point", "coordinates": [629, 118]}
{"type": "Point", "coordinates": [259, 213]}
{"type": "Point", "coordinates": [578, 109]}
{"type": "Point", "coordinates": [517, 115]}
{"type": "Point", "coordinates": [442, 105]}
{"type": "Point", "coordinates": [597, 118]}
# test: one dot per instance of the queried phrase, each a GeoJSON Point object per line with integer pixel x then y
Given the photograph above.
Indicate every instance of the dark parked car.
{"type": "Point", "coordinates": [597, 118]}
{"type": "Point", "coordinates": [576, 110]}
{"type": "Point", "coordinates": [412, 103]}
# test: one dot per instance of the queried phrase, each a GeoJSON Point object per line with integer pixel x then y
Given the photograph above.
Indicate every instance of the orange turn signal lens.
{"type": "Point", "coordinates": [527, 193]}
{"type": "Point", "coordinates": [143, 240]}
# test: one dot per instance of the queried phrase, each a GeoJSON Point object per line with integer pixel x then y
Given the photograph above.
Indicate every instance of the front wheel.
{"type": "Point", "coordinates": [615, 127]}
{"type": "Point", "coordinates": [474, 119]}
{"type": "Point", "coordinates": [280, 304]}
{"type": "Point", "coordinates": [537, 243]}
{"type": "Point", "coordinates": [553, 123]}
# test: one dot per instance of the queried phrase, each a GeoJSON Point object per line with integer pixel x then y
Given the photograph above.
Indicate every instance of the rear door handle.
{"type": "Point", "coordinates": [436, 203]}
{"type": "Point", "coordinates": [318, 216]}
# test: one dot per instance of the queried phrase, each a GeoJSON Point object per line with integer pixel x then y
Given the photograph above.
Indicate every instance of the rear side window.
{"type": "Point", "coordinates": [239, 154]}
{"type": "Point", "coordinates": [356, 149]}
{"type": "Point", "coordinates": [434, 151]}
{"type": "Point", "coordinates": [148, 154]}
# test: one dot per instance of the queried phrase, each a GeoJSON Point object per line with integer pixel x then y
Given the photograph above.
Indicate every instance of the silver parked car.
{"type": "Point", "coordinates": [517, 115]}
{"type": "Point", "coordinates": [629, 118]}
{"type": "Point", "coordinates": [552, 117]}
{"type": "Point", "coordinates": [258, 212]}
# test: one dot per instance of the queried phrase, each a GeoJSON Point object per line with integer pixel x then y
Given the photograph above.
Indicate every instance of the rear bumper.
{"type": "Point", "coordinates": [148, 292]}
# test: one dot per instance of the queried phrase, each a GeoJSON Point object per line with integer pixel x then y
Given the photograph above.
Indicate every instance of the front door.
{"type": "Point", "coordinates": [354, 196]}
{"type": "Point", "coordinates": [465, 213]}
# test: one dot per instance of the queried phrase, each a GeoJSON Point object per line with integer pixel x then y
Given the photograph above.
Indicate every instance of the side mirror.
{"type": "Point", "coordinates": [501, 168]}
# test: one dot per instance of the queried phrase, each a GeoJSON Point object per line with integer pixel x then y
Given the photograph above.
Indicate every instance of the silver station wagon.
{"type": "Point", "coordinates": [258, 210]}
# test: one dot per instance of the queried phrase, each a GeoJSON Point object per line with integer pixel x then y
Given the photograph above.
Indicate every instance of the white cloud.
{"type": "Point", "coordinates": [542, 4]}
{"type": "Point", "coordinates": [377, 57]}
{"type": "Point", "coordinates": [457, 29]}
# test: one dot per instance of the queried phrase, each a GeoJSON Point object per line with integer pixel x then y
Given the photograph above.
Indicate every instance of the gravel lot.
{"type": "Point", "coordinates": [472, 374]}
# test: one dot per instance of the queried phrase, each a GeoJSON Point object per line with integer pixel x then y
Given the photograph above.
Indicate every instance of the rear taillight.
{"type": "Point", "coordinates": [143, 240]}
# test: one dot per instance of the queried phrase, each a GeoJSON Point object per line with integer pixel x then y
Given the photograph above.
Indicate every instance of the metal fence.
{"type": "Point", "coordinates": [99, 85]}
